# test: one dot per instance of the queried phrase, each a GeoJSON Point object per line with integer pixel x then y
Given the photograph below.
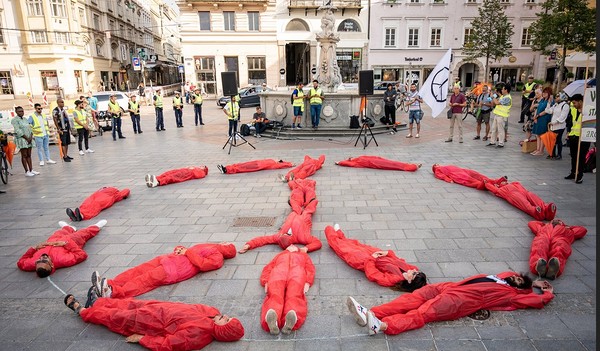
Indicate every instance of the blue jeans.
{"type": "Point", "coordinates": [315, 114]}
{"type": "Point", "coordinates": [178, 117]}
{"type": "Point", "coordinates": [42, 144]}
{"type": "Point", "coordinates": [116, 128]}
{"type": "Point", "coordinates": [159, 118]}
{"type": "Point", "coordinates": [232, 126]}
{"type": "Point", "coordinates": [135, 119]}
{"type": "Point", "coordinates": [198, 113]}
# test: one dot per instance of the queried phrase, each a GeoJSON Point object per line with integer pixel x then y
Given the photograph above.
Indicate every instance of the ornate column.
{"type": "Point", "coordinates": [329, 76]}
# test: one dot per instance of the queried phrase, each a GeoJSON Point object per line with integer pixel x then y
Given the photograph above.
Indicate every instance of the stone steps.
{"type": "Point", "coordinates": [287, 133]}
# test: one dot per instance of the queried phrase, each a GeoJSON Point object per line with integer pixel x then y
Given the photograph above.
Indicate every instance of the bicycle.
{"type": "Point", "coordinates": [4, 173]}
{"type": "Point", "coordinates": [470, 108]}
{"type": "Point", "coordinates": [401, 103]}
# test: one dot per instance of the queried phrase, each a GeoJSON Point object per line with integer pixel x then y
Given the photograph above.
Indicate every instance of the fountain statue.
{"type": "Point", "coordinates": [329, 76]}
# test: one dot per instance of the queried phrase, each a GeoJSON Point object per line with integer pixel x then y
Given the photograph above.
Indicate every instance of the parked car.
{"type": "Point", "coordinates": [383, 85]}
{"type": "Point", "coordinates": [249, 96]}
{"type": "Point", "coordinates": [103, 116]}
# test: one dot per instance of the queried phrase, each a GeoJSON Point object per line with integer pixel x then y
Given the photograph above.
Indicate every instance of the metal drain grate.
{"type": "Point", "coordinates": [254, 222]}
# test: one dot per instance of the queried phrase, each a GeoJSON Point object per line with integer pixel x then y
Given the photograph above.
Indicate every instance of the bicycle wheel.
{"type": "Point", "coordinates": [4, 169]}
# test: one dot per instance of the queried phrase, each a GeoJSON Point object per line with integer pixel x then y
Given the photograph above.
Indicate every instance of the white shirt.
{"type": "Point", "coordinates": [560, 113]}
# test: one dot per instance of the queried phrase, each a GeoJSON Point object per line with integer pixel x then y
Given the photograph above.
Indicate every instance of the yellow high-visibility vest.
{"type": "Point", "coordinates": [197, 99]}
{"type": "Point", "coordinates": [134, 106]}
{"type": "Point", "coordinates": [82, 119]}
{"type": "Point", "coordinates": [502, 110]}
{"type": "Point", "coordinates": [528, 88]}
{"type": "Point", "coordinates": [299, 102]}
{"type": "Point", "coordinates": [37, 129]}
{"type": "Point", "coordinates": [233, 110]}
{"type": "Point", "coordinates": [159, 101]}
{"type": "Point", "coordinates": [115, 109]}
{"type": "Point", "coordinates": [576, 128]}
{"type": "Point", "coordinates": [316, 100]}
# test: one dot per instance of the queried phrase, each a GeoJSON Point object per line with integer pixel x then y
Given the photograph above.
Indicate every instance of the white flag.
{"type": "Point", "coordinates": [435, 89]}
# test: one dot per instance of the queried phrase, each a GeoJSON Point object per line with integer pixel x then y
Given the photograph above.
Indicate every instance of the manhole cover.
{"type": "Point", "coordinates": [254, 222]}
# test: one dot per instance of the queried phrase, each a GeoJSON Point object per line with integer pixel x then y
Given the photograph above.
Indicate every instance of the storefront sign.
{"type": "Point", "coordinates": [344, 57]}
{"type": "Point", "coordinates": [512, 59]}
{"type": "Point", "coordinates": [413, 59]}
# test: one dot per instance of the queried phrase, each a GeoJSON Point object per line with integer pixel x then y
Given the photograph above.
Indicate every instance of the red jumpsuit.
{"type": "Point", "coordinates": [257, 165]}
{"type": "Point", "coordinates": [378, 163]}
{"type": "Point", "coordinates": [303, 197]}
{"type": "Point", "coordinates": [62, 256]}
{"type": "Point", "coordinates": [385, 271]}
{"type": "Point", "coordinates": [553, 240]}
{"type": "Point", "coordinates": [165, 325]}
{"type": "Point", "coordinates": [169, 269]}
{"type": "Point", "coordinates": [515, 194]}
{"type": "Point", "coordinates": [101, 199]}
{"type": "Point", "coordinates": [463, 176]}
{"type": "Point", "coordinates": [285, 277]}
{"type": "Point", "coordinates": [300, 224]}
{"type": "Point", "coordinates": [452, 300]}
{"type": "Point", "coordinates": [307, 168]}
{"type": "Point", "coordinates": [182, 175]}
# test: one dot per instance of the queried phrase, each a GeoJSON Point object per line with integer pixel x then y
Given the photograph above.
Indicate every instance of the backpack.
{"type": "Point", "coordinates": [292, 96]}
{"type": "Point", "coordinates": [245, 130]}
{"type": "Point", "coordinates": [590, 161]}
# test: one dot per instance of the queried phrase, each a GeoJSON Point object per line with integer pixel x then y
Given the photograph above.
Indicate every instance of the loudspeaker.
{"type": "Point", "coordinates": [229, 80]}
{"type": "Point", "coordinates": [365, 82]}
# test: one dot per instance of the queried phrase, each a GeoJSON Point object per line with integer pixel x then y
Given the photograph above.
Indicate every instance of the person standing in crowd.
{"type": "Point", "coordinates": [298, 104]}
{"type": "Point", "coordinates": [134, 112]}
{"type": "Point", "coordinates": [92, 103]}
{"type": "Point", "coordinates": [528, 88]}
{"type": "Point", "coordinates": [63, 125]}
{"type": "Point", "coordinates": [389, 101]}
{"type": "Point", "coordinates": [231, 110]}
{"type": "Point", "coordinates": [573, 137]}
{"type": "Point", "coordinates": [457, 83]}
{"type": "Point", "coordinates": [41, 134]}
{"type": "Point", "coordinates": [158, 109]}
{"type": "Point", "coordinates": [260, 122]}
{"type": "Point", "coordinates": [316, 103]}
{"type": "Point", "coordinates": [560, 113]}
{"type": "Point", "coordinates": [178, 108]}
{"type": "Point", "coordinates": [142, 93]}
{"type": "Point", "coordinates": [116, 112]}
{"type": "Point", "coordinates": [24, 139]}
{"type": "Point", "coordinates": [457, 102]}
{"type": "Point", "coordinates": [81, 125]}
{"type": "Point", "coordinates": [197, 100]}
{"type": "Point", "coordinates": [415, 113]}
{"type": "Point", "coordinates": [484, 102]}
{"type": "Point", "coordinates": [501, 113]}
{"type": "Point", "coordinates": [541, 118]}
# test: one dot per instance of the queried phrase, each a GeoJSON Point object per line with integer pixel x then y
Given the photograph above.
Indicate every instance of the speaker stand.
{"type": "Point", "coordinates": [232, 140]}
{"type": "Point", "coordinates": [365, 135]}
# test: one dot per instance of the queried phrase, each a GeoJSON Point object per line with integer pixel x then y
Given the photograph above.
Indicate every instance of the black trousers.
{"type": "Point", "coordinates": [585, 146]}
{"type": "Point", "coordinates": [232, 126]}
{"type": "Point", "coordinates": [82, 135]}
{"type": "Point", "coordinates": [390, 113]}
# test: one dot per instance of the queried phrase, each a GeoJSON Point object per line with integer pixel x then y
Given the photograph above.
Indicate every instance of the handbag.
{"type": "Point", "coordinates": [449, 113]}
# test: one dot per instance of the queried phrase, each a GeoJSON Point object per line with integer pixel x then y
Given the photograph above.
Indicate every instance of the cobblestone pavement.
{"type": "Point", "coordinates": [448, 230]}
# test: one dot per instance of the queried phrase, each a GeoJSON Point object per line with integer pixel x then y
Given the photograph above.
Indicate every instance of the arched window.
{"type": "Point", "coordinates": [349, 25]}
{"type": "Point", "coordinates": [296, 25]}
{"type": "Point", "coordinates": [99, 47]}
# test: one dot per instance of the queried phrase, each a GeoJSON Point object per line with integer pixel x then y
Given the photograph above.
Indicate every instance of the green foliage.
{"type": "Point", "coordinates": [569, 24]}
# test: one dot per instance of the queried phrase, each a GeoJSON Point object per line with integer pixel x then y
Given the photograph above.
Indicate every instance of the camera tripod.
{"type": "Point", "coordinates": [232, 140]}
{"type": "Point", "coordinates": [365, 129]}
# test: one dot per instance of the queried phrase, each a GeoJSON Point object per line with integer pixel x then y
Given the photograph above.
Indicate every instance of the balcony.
{"type": "Point", "coordinates": [315, 4]}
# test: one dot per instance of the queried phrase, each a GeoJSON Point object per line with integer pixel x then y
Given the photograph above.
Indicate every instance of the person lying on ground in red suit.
{"type": "Point", "coordinates": [286, 279]}
{"type": "Point", "coordinates": [304, 170]}
{"type": "Point", "coordinates": [176, 176]}
{"type": "Point", "coordinates": [295, 230]}
{"type": "Point", "coordinates": [95, 203]}
{"type": "Point", "coordinates": [377, 162]}
{"type": "Point", "coordinates": [158, 325]}
{"type": "Point", "coordinates": [447, 301]}
{"type": "Point", "coordinates": [515, 194]}
{"type": "Point", "coordinates": [64, 248]}
{"type": "Point", "coordinates": [380, 266]}
{"type": "Point", "coordinates": [182, 264]}
{"type": "Point", "coordinates": [551, 246]}
{"type": "Point", "coordinates": [303, 197]}
{"type": "Point", "coordinates": [254, 166]}
{"type": "Point", "coordinates": [464, 176]}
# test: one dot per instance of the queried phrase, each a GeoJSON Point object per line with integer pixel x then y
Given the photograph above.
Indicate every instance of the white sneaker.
{"type": "Point", "coordinates": [290, 321]}
{"type": "Point", "coordinates": [154, 181]}
{"type": "Point", "coordinates": [35, 172]}
{"type": "Point", "coordinates": [271, 319]}
{"type": "Point", "coordinates": [148, 180]}
{"type": "Point", "coordinates": [41, 163]}
{"type": "Point", "coordinates": [51, 162]}
{"type": "Point", "coordinates": [409, 136]}
{"type": "Point", "coordinates": [105, 288]}
{"type": "Point", "coordinates": [101, 223]}
{"type": "Point", "coordinates": [416, 136]}
{"type": "Point", "coordinates": [81, 152]}
{"type": "Point", "coordinates": [89, 151]}
{"type": "Point", "coordinates": [374, 323]}
{"type": "Point", "coordinates": [65, 224]}
{"type": "Point", "coordinates": [29, 174]}
{"type": "Point", "coordinates": [358, 311]}
{"type": "Point", "coordinates": [336, 227]}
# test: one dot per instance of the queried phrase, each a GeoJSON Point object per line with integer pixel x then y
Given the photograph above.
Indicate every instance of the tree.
{"type": "Point", "coordinates": [490, 34]}
{"type": "Point", "coordinates": [566, 24]}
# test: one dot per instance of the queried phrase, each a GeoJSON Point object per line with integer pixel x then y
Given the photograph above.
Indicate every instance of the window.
{"type": "Point", "coordinates": [6, 83]}
{"type": "Point", "coordinates": [467, 36]}
{"type": "Point", "coordinates": [61, 38]}
{"type": "Point", "coordinates": [296, 25]}
{"type": "Point", "coordinates": [504, 1]}
{"type": "Point", "coordinates": [471, 1]}
{"type": "Point", "coordinates": [34, 7]}
{"type": "Point", "coordinates": [1, 32]}
{"type": "Point", "coordinates": [413, 37]}
{"type": "Point", "coordinates": [229, 18]}
{"type": "Point", "coordinates": [414, 1]}
{"type": "Point", "coordinates": [349, 62]}
{"type": "Point", "coordinates": [257, 72]}
{"type": "Point", "coordinates": [39, 36]}
{"type": "Point", "coordinates": [390, 37]}
{"type": "Point", "coordinates": [204, 17]}
{"type": "Point", "coordinates": [530, 1]}
{"type": "Point", "coordinates": [73, 13]}
{"type": "Point", "coordinates": [96, 22]}
{"type": "Point", "coordinates": [436, 37]}
{"type": "Point", "coordinates": [349, 25]}
{"type": "Point", "coordinates": [526, 37]}
{"type": "Point", "coordinates": [59, 8]}
{"type": "Point", "coordinates": [111, 26]}
{"type": "Point", "coordinates": [205, 73]}
{"type": "Point", "coordinates": [82, 15]}
{"type": "Point", "coordinates": [99, 48]}
{"type": "Point", "coordinates": [49, 80]}
{"type": "Point", "coordinates": [253, 21]}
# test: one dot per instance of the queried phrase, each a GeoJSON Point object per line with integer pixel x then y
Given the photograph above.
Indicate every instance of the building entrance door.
{"type": "Point", "coordinates": [297, 58]}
